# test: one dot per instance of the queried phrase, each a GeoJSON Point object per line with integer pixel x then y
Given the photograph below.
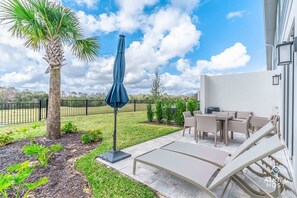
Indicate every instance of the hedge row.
{"type": "Point", "coordinates": [171, 110]}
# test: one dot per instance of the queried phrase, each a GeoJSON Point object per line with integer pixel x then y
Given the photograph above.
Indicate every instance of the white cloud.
{"type": "Point", "coordinates": [129, 18]}
{"type": "Point", "coordinates": [234, 14]}
{"type": "Point", "coordinates": [88, 3]}
{"type": "Point", "coordinates": [173, 36]}
{"type": "Point", "coordinates": [168, 34]}
{"type": "Point", "coordinates": [189, 79]}
{"type": "Point", "coordinates": [187, 5]}
{"type": "Point", "coordinates": [232, 57]}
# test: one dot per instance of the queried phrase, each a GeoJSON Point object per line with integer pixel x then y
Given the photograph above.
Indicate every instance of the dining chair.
{"type": "Point", "coordinates": [207, 123]}
{"type": "Point", "coordinates": [189, 121]}
{"type": "Point", "coordinates": [240, 126]}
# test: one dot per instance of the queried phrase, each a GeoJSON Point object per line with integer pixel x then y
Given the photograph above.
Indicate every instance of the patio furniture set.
{"type": "Point", "coordinates": [207, 167]}
{"type": "Point", "coordinates": [225, 122]}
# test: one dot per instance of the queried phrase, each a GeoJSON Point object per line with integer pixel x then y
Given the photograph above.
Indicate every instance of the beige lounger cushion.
{"type": "Point", "coordinates": [190, 169]}
{"type": "Point", "coordinates": [206, 153]}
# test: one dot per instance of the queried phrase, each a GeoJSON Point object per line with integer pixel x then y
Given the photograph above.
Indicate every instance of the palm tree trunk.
{"type": "Point", "coordinates": [54, 56]}
{"type": "Point", "coordinates": [53, 119]}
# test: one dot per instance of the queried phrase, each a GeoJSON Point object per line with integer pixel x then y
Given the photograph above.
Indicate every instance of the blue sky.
{"type": "Point", "coordinates": [184, 39]}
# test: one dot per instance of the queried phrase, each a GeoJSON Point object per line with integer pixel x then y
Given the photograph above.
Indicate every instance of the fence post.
{"type": "Point", "coordinates": [134, 105]}
{"type": "Point", "coordinates": [39, 112]}
{"type": "Point", "coordinates": [46, 108]}
{"type": "Point", "coordinates": [86, 107]}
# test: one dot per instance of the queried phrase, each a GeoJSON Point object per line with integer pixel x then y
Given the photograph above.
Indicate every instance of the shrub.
{"type": "Point", "coordinates": [22, 130]}
{"type": "Point", "coordinates": [69, 127]}
{"type": "Point", "coordinates": [150, 113]}
{"type": "Point", "coordinates": [5, 138]}
{"type": "Point", "coordinates": [35, 125]}
{"type": "Point", "coordinates": [198, 105]}
{"type": "Point", "coordinates": [15, 178]}
{"type": "Point", "coordinates": [91, 136]}
{"type": "Point", "coordinates": [159, 113]}
{"type": "Point", "coordinates": [168, 111]}
{"type": "Point", "coordinates": [41, 153]}
{"type": "Point", "coordinates": [191, 105]}
{"type": "Point", "coordinates": [178, 115]}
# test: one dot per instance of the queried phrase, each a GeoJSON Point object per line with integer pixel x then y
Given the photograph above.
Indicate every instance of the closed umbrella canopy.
{"type": "Point", "coordinates": [117, 97]}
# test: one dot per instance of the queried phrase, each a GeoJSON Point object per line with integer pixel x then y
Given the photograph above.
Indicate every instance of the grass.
{"type": "Point", "coordinates": [104, 181]}
{"type": "Point", "coordinates": [24, 115]}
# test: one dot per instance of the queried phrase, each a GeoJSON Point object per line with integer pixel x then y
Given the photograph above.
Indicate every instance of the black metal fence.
{"type": "Point", "coordinates": [14, 113]}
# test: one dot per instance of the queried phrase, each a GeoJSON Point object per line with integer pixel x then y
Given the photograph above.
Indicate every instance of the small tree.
{"type": "Point", "coordinates": [191, 105]}
{"type": "Point", "coordinates": [159, 113]}
{"type": "Point", "coordinates": [157, 88]}
{"type": "Point", "coordinates": [168, 111]}
{"type": "Point", "coordinates": [178, 115]}
{"type": "Point", "coordinates": [150, 113]}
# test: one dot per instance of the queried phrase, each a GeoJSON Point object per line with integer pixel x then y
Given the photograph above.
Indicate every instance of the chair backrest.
{"type": "Point", "coordinates": [218, 113]}
{"type": "Point", "coordinates": [257, 136]}
{"type": "Point", "coordinates": [265, 148]}
{"type": "Point", "coordinates": [187, 114]}
{"type": "Point", "coordinates": [230, 113]}
{"type": "Point", "coordinates": [197, 112]}
{"type": "Point", "coordinates": [243, 114]}
{"type": "Point", "coordinates": [207, 122]}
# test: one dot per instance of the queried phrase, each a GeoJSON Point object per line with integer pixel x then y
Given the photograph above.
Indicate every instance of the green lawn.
{"type": "Point", "coordinates": [104, 181]}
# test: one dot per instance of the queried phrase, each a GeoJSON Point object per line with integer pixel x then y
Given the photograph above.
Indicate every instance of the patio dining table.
{"type": "Point", "coordinates": [225, 119]}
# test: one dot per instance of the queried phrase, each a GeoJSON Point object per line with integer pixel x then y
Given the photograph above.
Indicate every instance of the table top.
{"type": "Point", "coordinates": [224, 117]}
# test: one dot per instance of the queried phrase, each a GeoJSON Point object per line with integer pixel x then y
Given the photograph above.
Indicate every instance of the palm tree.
{"type": "Point", "coordinates": [50, 26]}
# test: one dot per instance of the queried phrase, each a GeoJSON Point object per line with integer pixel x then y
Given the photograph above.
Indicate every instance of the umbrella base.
{"type": "Point", "coordinates": [114, 156]}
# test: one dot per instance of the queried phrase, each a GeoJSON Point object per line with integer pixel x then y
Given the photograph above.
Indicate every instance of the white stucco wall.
{"type": "Point", "coordinates": [242, 92]}
{"type": "Point", "coordinates": [287, 25]}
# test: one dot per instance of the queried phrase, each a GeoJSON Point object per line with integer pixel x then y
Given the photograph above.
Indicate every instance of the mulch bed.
{"type": "Point", "coordinates": [163, 123]}
{"type": "Point", "coordinates": [64, 180]}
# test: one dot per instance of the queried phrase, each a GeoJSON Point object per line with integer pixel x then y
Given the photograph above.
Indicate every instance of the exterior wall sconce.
{"type": "Point", "coordinates": [284, 52]}
{"type": "Point", "coordinates": [276, 78]}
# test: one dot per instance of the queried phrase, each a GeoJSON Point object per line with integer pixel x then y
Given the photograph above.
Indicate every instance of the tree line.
{"type": "Point", "coordinates": [14, 95]}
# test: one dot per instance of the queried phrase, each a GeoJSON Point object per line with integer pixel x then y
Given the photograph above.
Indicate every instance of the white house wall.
{"type": "Point", "coordinates": [242, 92]}
{"type": "Point", "coordinates": [288, 20]}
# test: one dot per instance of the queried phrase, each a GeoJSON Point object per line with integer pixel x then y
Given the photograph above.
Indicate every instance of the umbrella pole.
{"type": "Point", "coordinates": [115, 130]}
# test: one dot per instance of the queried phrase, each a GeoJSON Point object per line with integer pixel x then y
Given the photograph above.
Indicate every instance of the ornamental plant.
{"type": "Point", "coordinates": [41, 153]}
{"type": "Point", "coordinates": [5, 138]}
{"type": "Point", "coordinates": [13, 181]}
{"type": "Point", "coordinates": [69, 127]}
{"type": "Point", "coordinates": [150, 113]}
{"type": "Point", "coordinates": [35, 125]}
{"type": "Point", "coordinates": [91, 136]}
{"type": "Point", "coordinates": [159, 112]}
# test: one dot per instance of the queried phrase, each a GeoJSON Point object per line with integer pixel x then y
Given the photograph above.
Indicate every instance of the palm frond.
{"type": "Point", "coordinates": [86, 49]}
{"type": "Point", "coordinates": [41, 21]}
{"type": "Point", "coordinates": [24, 24]}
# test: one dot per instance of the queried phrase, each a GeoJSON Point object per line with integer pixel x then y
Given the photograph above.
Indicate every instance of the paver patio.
{"type": "Point", "coordinates": [170, 186]}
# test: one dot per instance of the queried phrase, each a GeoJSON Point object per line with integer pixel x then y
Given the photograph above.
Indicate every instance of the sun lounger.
{"type": "Point", "coordinates": [207, 176]}
{"type": "Point", "coordinates": [216, 156]}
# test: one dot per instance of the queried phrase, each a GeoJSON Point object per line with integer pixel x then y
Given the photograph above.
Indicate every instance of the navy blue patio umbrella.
{"type": "Point", "coordinates": [117, 97]}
